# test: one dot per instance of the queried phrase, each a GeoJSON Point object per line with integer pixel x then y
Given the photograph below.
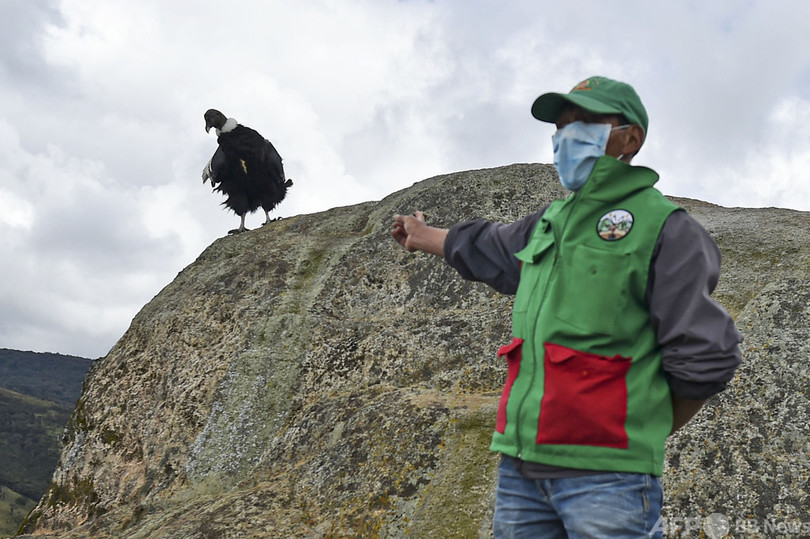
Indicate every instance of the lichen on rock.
{"type": "Point", "coordinates": [313, 379]}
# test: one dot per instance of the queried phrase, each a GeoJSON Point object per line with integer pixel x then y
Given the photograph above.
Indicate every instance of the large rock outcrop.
{"type": "Point", "coordinates": [313, 379]}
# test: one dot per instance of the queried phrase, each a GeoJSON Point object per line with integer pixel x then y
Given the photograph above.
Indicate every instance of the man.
{"type": "Point", "coordinates": [616, 343]}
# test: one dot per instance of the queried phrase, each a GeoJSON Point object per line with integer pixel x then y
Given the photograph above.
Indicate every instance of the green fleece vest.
{"type": "Point", "coordinates": [585, 388]}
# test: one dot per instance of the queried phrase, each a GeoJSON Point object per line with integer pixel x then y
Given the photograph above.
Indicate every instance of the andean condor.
{"type": "Point", "coordinates": [245, 167]}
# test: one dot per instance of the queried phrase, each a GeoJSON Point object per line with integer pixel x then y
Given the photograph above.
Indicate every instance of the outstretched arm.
{"type": "Point", "coordinates": [413, 234]}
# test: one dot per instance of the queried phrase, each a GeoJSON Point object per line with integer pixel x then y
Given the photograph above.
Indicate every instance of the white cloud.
{"type": "Point", "coordinates": [774, 172]}
{"type": "Point", "coordinates": [15, 212]}
{"type": "Point", "coordinates": [102, 140]}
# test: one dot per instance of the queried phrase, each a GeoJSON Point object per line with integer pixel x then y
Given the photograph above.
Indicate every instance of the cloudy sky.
{"type": "Point", "coordinates": [102, 139]}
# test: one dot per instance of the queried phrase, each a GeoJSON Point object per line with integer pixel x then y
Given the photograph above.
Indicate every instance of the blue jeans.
{"type": "Point", "coordinates": [613, 505]}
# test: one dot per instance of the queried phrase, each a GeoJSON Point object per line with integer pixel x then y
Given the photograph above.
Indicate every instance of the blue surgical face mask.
{"type": "Point", "coordinates": [577, 146]}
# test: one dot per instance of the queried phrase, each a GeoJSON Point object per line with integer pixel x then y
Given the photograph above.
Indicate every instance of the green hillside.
{"type": "Point", "coordinates": [30, 432]}
{"type": "Point", "coordinates": [51, 377]}
{"type": "Point", "coordinates": [13, 508]}
{"type": "Point", "coordinates": [37, 394]}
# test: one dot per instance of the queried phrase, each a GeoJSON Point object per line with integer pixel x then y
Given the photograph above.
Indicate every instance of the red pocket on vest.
{"type": "Point", "coordinates": [584, 399]}
{"type": "Point", "coordinates": [513, 352]}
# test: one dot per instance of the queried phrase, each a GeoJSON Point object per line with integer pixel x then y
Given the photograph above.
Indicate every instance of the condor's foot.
{"type": "Point", "coordinates": [272, 220]}
{"type": "Point", "coordinates": [241, 226]}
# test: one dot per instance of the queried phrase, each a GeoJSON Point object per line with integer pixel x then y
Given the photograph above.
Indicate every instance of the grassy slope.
{"type": "Point", "coordinates": [13, 508]}
{"type": "Point", "coordinates": [37, 395]}
{"type": "Point", "coordinates": [30, 442]}
{"type": "Point", "coordinates": [51, 377]}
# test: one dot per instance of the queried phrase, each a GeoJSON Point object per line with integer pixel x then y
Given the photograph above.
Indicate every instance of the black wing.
{"type": "Point", "coordinates": [253, 152]}
{"type": "Point", "coordinates": [216, 169]}
{"type": "Point", "coordinates": [247, 168]}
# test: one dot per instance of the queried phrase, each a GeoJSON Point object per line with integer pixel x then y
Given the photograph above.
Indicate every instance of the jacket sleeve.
{"type": "Point", "coordinates": [484, 251]}
{"type": "Point", "coordinates": [700, 343]}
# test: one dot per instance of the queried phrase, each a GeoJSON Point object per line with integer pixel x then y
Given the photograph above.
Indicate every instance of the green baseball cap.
{"type": "Point", "coordinates": [599, 95]}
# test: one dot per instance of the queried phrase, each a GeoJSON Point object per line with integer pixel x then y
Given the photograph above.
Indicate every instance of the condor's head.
{"type": "Point", "coordinates": [215, 119]}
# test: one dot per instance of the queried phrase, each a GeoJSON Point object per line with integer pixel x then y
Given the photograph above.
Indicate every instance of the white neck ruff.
{"type": "Point", "coordinates": [229, 125]}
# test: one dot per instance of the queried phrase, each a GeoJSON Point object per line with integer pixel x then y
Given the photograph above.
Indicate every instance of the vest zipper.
{"type": "Point", "coordinates": [530, 336]}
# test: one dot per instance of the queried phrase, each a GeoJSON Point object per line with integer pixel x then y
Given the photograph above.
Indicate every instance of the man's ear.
{"type": "Point", "coordinates": [634, 140]}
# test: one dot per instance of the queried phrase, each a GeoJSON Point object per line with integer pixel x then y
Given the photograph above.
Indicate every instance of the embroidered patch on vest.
{"type": "Point", "coordinates": [614, 225]}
